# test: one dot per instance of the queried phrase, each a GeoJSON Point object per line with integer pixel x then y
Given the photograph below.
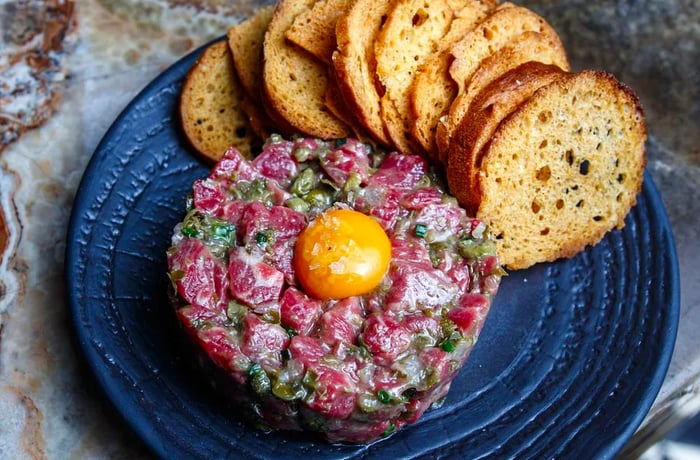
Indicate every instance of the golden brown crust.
{"type": "Point", "coordinates": [246, 41]}
{"type": "Point", "coordinates": [411, 33]}
{"type": "Point", "coordinates": [499, 29]}
{"type": "Point", "coordinates": [354, 62]}
{"type": "Point", "coordinates": [432, 89]}
{"type": "Point", "coordinates": [497, 100]}
{"type": "Point", "coordinates": [210, 105]}
{"type": "Point", "coordinates": [563, 169]}
{"type": "Point", "coordinates": [313, 30]}
{"type": "Point", "coordinates": [295, 83]}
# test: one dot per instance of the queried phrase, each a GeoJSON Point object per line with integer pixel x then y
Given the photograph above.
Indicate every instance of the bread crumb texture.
{"type": "Point", "coordinates": [210, 105]}
{"type": "Point", "coordinates": [563, 169]}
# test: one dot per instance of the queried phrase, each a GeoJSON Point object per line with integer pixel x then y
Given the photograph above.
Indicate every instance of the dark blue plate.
{"type": "Point", "coordinates": [569, 362]}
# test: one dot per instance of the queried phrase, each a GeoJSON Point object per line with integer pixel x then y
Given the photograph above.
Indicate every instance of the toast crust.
{"type": "Point", "coordinates": [354, 62]}
{"type": "Point", "coordinates": [499, 29]}
{"type": "Point", "coordinates": [294, 82]}
{"type": "Point", "coordinates": [497, 100]}
{"type": "Point", "coordinates": [210, 106]}
{"type": "Point", "coordinates": [570, 160]}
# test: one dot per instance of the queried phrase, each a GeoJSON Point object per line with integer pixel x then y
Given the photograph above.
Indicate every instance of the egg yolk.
{"type": "Point", "coordinates": [342, 253]}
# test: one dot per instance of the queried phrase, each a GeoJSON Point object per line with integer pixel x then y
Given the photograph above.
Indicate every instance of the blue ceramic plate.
{"type": "Point", "coordinates": [570, 359]}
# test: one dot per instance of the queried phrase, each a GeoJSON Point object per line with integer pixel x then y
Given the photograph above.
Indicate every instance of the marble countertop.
{"type": "Point", "coordinates": [96, 55]}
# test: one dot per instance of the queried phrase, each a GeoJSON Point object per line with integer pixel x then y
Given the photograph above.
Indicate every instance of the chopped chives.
{"type": "Point", "coordinates": [189, 232]}
{"type": "Point", "coordinates": [383, 396]}
{"type": "Point", "coordinates": [421, 230]}
{"type": "Point", "coordinates": [261, 238]}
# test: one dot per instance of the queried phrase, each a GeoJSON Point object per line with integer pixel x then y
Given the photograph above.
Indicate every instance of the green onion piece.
{"type": "Point", "coordinates": [223, 232]}
{"type": "Point", "coordinates": [189, 232]}
{"type": "Point", "coordinates": [421, 230]}
{"type": "Point", "coordinates": [408, 394]}
{"type": "Point", "coordinates": [389, 430]}
{"type": "Point", "coordinates": [291, 332]}
{"type": "Point", "coordinates": [340, 142]}
{"type": "Point", "coordinates": [286, 354]}
{"type": "Point", "coordinates": [261, 238]}
{"type": "Point", "coordinates": [383, 396]}
{"type": "Point", "coordinates": [254, 370]}
{"type": "Point", "coordinates": [448, 346]}
{"type": "Point", "coordinates": [471, 249]}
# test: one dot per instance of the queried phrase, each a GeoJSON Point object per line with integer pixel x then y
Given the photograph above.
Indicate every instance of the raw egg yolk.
{"type": "Point", "coordinates": [342, 253]}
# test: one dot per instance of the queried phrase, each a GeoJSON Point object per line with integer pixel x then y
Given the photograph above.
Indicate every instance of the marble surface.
{"type": "Point", "coordinates": [50, 404]}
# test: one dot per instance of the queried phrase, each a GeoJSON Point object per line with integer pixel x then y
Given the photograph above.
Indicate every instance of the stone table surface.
{"type": "Point", "coordinates": [90, 58]}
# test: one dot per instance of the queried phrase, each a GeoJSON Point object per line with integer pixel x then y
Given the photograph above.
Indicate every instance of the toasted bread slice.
{"type": "Point", "coordinates": [210, 106]}
{"type": "Point", "coordinates": [493, 33]}
{"type": "Point", "coordinates": [493, 104]}
{"type": "Point", "coordinates": [433, 89]}
{"type": "Point", "coordinates": [246, 41]}
{"type": "Point", "coordinates": [354, 62]}
{"type": "Point", "coordinates": [563, 169]}
{"type": "Point", "coordinates": [412, 31]}
{"type": "Point", "coordinates": [294, 82]}
{"type": "Point", "coordinates": [528, 46]}
{"type": "Point", "coordinates": [314, 30]}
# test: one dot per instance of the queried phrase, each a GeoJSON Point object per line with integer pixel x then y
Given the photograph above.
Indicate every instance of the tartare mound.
{"type": "Point", "coordinates": [355, 368]}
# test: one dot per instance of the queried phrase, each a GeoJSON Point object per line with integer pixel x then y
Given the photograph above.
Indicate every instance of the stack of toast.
{"type": "Point", "coordinates": [549, 158]}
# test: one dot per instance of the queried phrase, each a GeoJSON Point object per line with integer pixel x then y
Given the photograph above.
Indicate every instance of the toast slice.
{"type": "Point", "coordinates": [294, 82]}
{"type": "Point", "coordinates": [563, 169]}
{"type": "Point", "coordinates": [433, 89]}
{"type": "Point", "coordinates": [497, 100]}
{"type": "Point", "coordinates": [314, 29]}
{"type": "Point", "coordinates": [528, 46]}
{"type": "Point", "coordinates": [412, 32]}
{"type": "Point", "coordinates": [499, 29]}
{"type": "Point", "coordinates": [246, 40]}
{"type": "Point", "coordinates": [210, 106]}
{"type": "Point", "coordinates": [354, 62]}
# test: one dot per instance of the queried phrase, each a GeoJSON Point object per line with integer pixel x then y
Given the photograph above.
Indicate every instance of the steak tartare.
{"type": "Point", "coordinates": [304, 352]}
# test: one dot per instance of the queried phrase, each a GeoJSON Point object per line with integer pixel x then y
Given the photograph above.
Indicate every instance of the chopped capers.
{"type": "Point", "coordinates": [304, 182]}
{"type": "Point", "coordinates": [320, 199]}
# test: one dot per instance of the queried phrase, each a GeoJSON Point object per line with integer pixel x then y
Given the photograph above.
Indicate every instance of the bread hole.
{"type": "Point", "coordinates": [579, 130]}
{"type": "Point", "coordinates": [580, 204]}
{"type": "Point", "coordinates": [210, 88]}
{"type": "Point", "coordinates": [498, 180]}
{"type": "Point", "coordinates": [584, 167]}
{"type": "Point", "coordinates": [499, 236]}
{"type": "Point", "coordinates": [544, 116]}
{"type": "Point", "coordinates": [488, 34]}
{"type": "Point", "coordinates": [535, 206]}
{"type": "Point", "coordinates": [573, 99]}
{"type": "Point", "coordinates": [544, 231]}
{"type": "Point", "coordinates": [598, 218]}
{"type": "Point", "coordinates": [599, 146]}
{"type": "Point", "coordinates": [543, 174]}
{"type": "Point", "coordinates": [241, 132]}
{"type": "Point", "coordinates": [222, 110]}
{"type": "Point", "coordinates": [210, 128]}
{"type": "Point", "coordinates": [569, 155]}
{"type": "Point", "coordinates": [559, 204]}
{"type": "Point", "coordinates": [199, 121]}
{"type": "Point", "coordinates": [543, 144]}
{"type": "Point", "coordinates": [620, 178]}
{"type": "Point", "coordinates": [419, 18]}
{"type": "Point", "coordinates": [292, 76]}
{"type": "Point", "coordinates": [618, 198]}
{"type": "Point", "coordinates": [515, 157]}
